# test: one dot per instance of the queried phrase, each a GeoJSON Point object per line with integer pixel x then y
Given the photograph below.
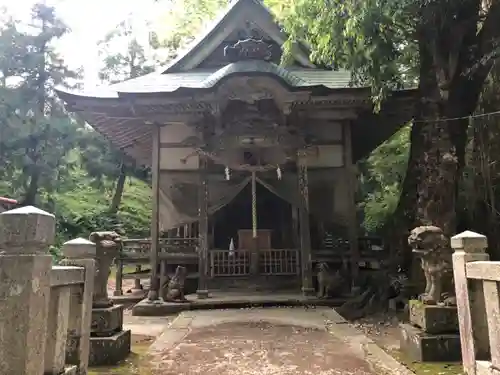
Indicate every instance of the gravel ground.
{"type": "Point", "coordinates": [260, 349]}
{"type": "Point", "coordinates": [381, 328]}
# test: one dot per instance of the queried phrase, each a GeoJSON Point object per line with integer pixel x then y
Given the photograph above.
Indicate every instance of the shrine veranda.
{"type": "Point", "coordinates": [253, 162]}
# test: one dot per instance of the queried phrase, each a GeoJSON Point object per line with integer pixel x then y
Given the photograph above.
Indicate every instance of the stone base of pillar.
{"type": "Point", "coordinates": [202, 294]}
{"type": "Point", "coordinates": [432, 335]}
{"type": "Point", "coordinates": [308, 292]}
{"type": "Point", "coordinates": [420, 346]}
{"type": "Point", "coordinates": [108, 351]}
{"type": "Point", "coordinates": [117, 293]}
{"type": "Point", "coordinates": [137, 292]}
{"type": "Point", "coordinates": [106, 321]}
{"type": "Point", "coordinates": [109, 343]}
{"type": "Point", "coordinates": [153, 295]}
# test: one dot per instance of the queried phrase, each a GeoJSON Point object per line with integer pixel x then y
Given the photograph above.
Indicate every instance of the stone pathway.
{"type": "Point", "coordinates": [271, 341]}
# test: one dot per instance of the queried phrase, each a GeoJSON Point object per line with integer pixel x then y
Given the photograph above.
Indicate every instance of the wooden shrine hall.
{"type": "Point", "coordinates": [258, 156]}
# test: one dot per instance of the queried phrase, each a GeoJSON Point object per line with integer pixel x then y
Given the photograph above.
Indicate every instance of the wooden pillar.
{"type": "Point", "coordinates": [352, 226]}
{"type": "Point", "coordinates": [305, 232]}
{"type": "Point", "coordinates": [118, 277]}
{"type": "Point", "coordinates": [254, 255]}
{"type": "Point", "coordinates": [137, 281]}
{"type": "Point", "coordinates": [202, 291]}
{"type": "Point", "coordinates": [163, 277]}
{"type": "Point", "coordinates": [295, 227]}
{"type": "Point", "coordinates": [211, 243]}
{"type": "Point", "coordinates": [155, 217]}
{"type": "Point", "coordinates": [321, 234]}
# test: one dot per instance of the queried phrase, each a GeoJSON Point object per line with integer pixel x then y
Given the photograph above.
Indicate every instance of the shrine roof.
{"type": "Point", "coordinates": [245, 41]}
{"type": "Point", "coordinates": [237, 13]}
{"type": "Point", "coordinates": [293, 78]}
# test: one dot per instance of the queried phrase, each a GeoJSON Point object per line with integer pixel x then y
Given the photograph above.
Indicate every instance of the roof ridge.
{"type": "Point", "coordinates": [212, 28]}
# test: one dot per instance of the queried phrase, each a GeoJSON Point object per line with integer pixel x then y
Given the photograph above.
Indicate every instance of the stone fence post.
{"type": "Point", "coordinates": [470, 247]}
{"type": "Point", "coordinates": [25, 266]}
{"type": "Point", "coordinates": [80, 252]}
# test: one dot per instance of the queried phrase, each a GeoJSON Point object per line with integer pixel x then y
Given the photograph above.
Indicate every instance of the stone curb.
{"type": "Point", "coordinates": [382, 362]}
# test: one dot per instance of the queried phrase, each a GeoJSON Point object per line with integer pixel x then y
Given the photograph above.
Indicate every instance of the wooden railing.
{"type": "Point", "coordinates": [270, 262]}
{"type": "Point", "coordinates": [137, 252]}
{"type": "Point", "coordinates": [230, 263]}
{"type": "Point", "coordinates": [279, 262]}
{"type": "Point", "coordinates": [478, 302]}
{"type": "Point", "coordinates": [142, 247]}
{"type": "Point", "coordinates": [45, 310]}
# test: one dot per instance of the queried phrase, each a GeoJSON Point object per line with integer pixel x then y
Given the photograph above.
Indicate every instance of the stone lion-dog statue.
{"type": "Point", "coordinates": [108, 247]}
{"type": "Point", "coordinates": [434, 250]}
{"type": "Point", "coordinates": [173, 289]}
{"type": "Point", "coordinates": [329, 283]}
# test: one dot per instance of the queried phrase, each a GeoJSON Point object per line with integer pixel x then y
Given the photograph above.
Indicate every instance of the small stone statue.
{"type": "Point", "coordinates": [173, 289]}
{"type": "Point", "coordinates": [433, 247]}
{"type": "Point", "coordinates": [328, 283]}
{"type": "Point", "coordinates": [108, 247]}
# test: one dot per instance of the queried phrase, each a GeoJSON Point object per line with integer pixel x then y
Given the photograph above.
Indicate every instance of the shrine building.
{"type": "Point", "coordinates": [253, 162]}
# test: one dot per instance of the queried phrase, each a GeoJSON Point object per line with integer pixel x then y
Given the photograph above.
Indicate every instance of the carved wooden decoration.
{"type": "Point", "coordinates": [248, 49]}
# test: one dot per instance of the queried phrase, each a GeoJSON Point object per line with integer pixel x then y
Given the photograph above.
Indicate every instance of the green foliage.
{"type": "Point", "coordinates": [85, 209]}
{"type": "Point", "coordinates": [35, 132]}
{"type": "Point", "coordinates": [187, 19]}
{"type": "Point", "coordinates": [368, 38]}
{"type": "Point", "coordinates": [129, 63]}
{"type": "Point", "coordinates": [381, 177]}
{"type": "Point", "coordinates": [52, 160]}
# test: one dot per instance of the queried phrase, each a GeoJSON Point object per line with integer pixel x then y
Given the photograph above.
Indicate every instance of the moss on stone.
{"type": "Point", "coordinates": [135, 364]}
{"type": "Point", "coordinates": [434, 368]}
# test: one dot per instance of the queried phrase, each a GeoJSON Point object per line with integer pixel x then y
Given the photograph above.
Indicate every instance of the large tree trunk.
{"type": "Point", "coordinates": [429, 190]}
{"type": "Point", "coordinates": [397, 228]}
{"type": "Point", "coordinates": [451, 78]}
{"type": "Point", "coordinates": [120, 185]}
{"type": "Point", "coordinates": [30, 196]}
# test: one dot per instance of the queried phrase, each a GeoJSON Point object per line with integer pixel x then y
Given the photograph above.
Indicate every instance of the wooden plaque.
{"type": "Point", "coordinates": [245, 239]}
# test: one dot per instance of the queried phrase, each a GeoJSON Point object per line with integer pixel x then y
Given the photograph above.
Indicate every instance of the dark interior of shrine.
{"type": "Point", "coordinates": [273, 213]}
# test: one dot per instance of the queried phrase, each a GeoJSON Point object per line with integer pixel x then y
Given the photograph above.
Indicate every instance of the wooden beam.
{"type": "Point", "coordinates": [155, 217]}
{"type": "Point", "coordinates": [203, 197]}
{"type": "Point", "coordinates": [329, 114]}
{"type": "Point", "coordinates": [305, 230]}
{"type": "Point", "coordinates": [351, 197]}
{"type": "Point", "coordinates": [178, 145]}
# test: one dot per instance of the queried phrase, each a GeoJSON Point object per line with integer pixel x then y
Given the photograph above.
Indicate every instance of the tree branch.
{"type": "Point", "coordinates": [476, 59]}
{"type": "Point", "coordinates": [487, 39]}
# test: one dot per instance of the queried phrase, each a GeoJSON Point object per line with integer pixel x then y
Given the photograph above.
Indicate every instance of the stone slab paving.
{"type": "Point", "coordinates": [150, 326]}
{"type": "Point", "coordinates": [269, 341]}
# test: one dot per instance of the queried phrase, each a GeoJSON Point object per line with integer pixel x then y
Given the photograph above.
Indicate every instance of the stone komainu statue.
{"type": "Point", "coordinates": [329, 283]}
{"type": "Point", "coordinates": [108, 247]}
{"type": "Point", "coordinates": [433, 247]}
{"type": "Point", "coordinates": [173, 289]}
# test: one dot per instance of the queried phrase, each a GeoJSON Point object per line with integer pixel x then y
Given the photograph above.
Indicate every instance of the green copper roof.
{"type": "Point", "coordinates": [254, 67]}
{"type": "Point", "coordinates": [208, 78]}
{"type": "Point", "coordinates": [204, 79]}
